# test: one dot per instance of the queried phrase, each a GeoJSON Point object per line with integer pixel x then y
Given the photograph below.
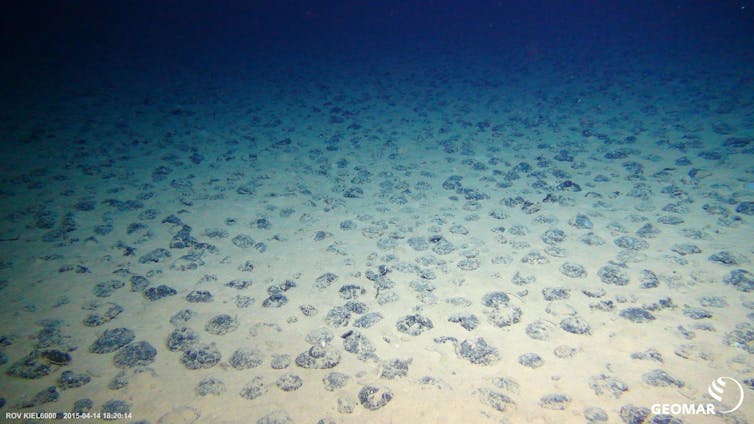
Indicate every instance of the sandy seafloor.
{"type": "Point", "coordinates": [631, 177]}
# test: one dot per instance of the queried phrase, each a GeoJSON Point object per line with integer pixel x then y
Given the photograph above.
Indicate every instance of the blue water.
{"type": "Point", "coordinates": [520, 210]}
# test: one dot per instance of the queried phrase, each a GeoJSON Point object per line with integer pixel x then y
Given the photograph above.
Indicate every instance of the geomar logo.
{"type": "Point", "coordinates": [717, 390]}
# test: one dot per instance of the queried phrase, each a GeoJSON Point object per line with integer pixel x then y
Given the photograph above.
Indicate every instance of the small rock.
{"type": "Point", "coordinates": [495, 299]}
{"type": "Point", "coordinates": [670, 220]}
{"type": "Point", "coordinates": [638, 315]}
{"type": "Point", "coordinates": [742, 337]}
{"type": "Point", "coordinates": [573, 270]}
{"type": "Point", "coordinates": [135, 354]}
{"type": "Point", "coordinates": [106, 288]}
{"type": "Point", "coordinates": [684, 249]}
{"type": "Point", "coordinates": [504, 316]}
{"type": "Point", "coordinates": [239, 284]}
{"type": "Point", "coordinates": [374, 397]}
{"type": "Point", "coordinates": [553, 236]}
{"type": "Point", "coordinates": [156, 293]}
{"type": "Point", "coordinates": [289, 382]}
{"type": "Point", "coordinates": [575, 325]}
{"type": "Point", "coordinates": [335, 380]}
{"type": "Point", "coordinates": [648, 231]}
{"type": "Point", "coordinates": [606, 386]}
{"type": "Point", "coordinates": [556, 293]}
{"type": "Point", "coordinates": [595, 415]}
{"type": "Point", "coordinates": [648, 279]}
{"type": "Point", "coordinates": [368, 320]}
{"type": "Point", "coordinates": [181, 317]}
{"type": "Point", "coordinates": [102, 313]}
{"type": "Point", "coordinates": [414, 325]}
{"type": "Point", "coordinates": [346, 405]}
{"type": "Point", "coordinates": [713, 301]}
{"type": "Point", "coordinates": [631, 243]}
{"type": "Point", "coordinates": [338, 316]}
{"type": "Point", "coordinates": [660, 378]}
{"type": "Point", "coordinates": [356, 307]}
{"type": "Point", "coordinates": [254, 389]}
{"type": "Point", "coordinates": [210, 386]}
{"type": "Point", "coordinates": [351, 291]}
{"type": "Point", "coordinates": [181, 339]}
{"type": "Point", "coordinates": [246, 358]}
{"type": "Point", "coordinates": [539, 330]}
{"type": "Point", "coordinates": [746, 208]}
{"type": "Point", "coordinates": [308, 310]}
{"type": "Point", "coordinates": [725, 258]}
{"type": "Point", "coordinates": [591, 239]}
{"type": "Point", "coordinates": [534, 258]}
{"type": "Point", "coordinates": [275, 301]}
{"type": "Point", "coordinates": [199, 296]}
{"type": "Point", "coordinates": [610, 274]}
{"type": "Point", "coordinates": [276, 417]}
{"type": "Point", "coordinates": [467, 321]}
{"type": "Point", "coordinates": [244, 241]}
{"type": "Point", "coordinates": [478, 352]}
{"type": "Point", "coordinates": [741, 279]}
{"type": "Point", "coordinates": [563, 351]}
{"type": "Point", "coordinates": [325, 280]}
{"type": "Point", "coordinates": [495, 400]}
{"type": "Point", "coordinates": [139, 283]}
{"type": "Point", "coordinates": [82, 406]}
{"type": "Point", "coordinates": [594, 292]}
{"type": "Point", "coordinates": [69, 380]}
{"type": "Point", "coordinates": [42, 397]}
{"type": "Point", "coordinates": [155, 256]}
{"type": "Point", "coordinates": [319, 337]}
{"type": "Point", "coordinates": [581, 221]}
{"type": "Point", "coordinates": [200, 355]}
{"type": "Point", "coordinates": [395, 368]}
{"type": "Point", "coordinates": [418, 243]}
{"type": "Point", "coordinates": [355, 342]}
{"type": "Point", "coordinates": [32, 366]}
{"type": "Point", "coordinates": [318, 357]}
{"type": "Point", "coordinates": [556, 401]}
{"type": "Point", "coordinates": [280, 361]}
{"type": "Point", "coordinates": [221, 324]}
{"type": "Point", "coordinates": [531, 360]}
{"type": "Point", "coordinates": [112, 340]}
{"type": "Point", "coordinates": [696, 313]}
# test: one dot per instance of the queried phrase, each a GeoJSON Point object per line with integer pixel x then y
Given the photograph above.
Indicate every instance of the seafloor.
{"type": "Point", "coordinates": [401, 239]}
